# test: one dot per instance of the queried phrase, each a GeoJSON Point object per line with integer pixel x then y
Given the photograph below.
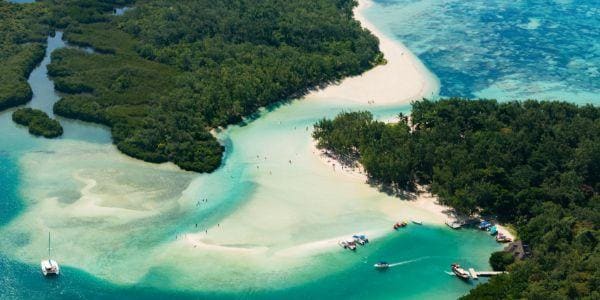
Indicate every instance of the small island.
{"type": "Point", "coordinates": [533, 165]}
{"type": "Point", "coordinates": [38, 122]}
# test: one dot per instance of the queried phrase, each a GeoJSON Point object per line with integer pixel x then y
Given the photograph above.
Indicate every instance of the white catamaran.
{"type": "Point", "coordinates": [49, 266]}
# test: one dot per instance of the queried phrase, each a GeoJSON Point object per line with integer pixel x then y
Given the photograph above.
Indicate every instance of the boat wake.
{"type": "Point", "coordinates": [449, 273]}
{"type": "Point", "coordinates": [408, 261]}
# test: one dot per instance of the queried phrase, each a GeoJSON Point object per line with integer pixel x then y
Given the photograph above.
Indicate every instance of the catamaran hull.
{"type": "Point", "coordinates": [49, 268]}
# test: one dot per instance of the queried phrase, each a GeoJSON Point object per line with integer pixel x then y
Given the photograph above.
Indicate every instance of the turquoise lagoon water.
{"type": "Point", "coordinates": [121, 226]}
{"type": "Point", "coordinates": [502, 49]}
{"type": "Point", "coordinates": [42, 181]}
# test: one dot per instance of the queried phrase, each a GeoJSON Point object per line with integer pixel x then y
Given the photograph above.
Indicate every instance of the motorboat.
{"type": "Point", "coordinates": [350, 245]}
{"type": "Point", "coordinates": [381, 265]}
{"type": "Point", "coordinates": [460, 272]}
{"type": "Point", "coordinates": [400, 224]}
{"type": "Point", "coordinates": [360, 239]}
{"type": "Point", "coordinates": [418, 222]}
{"type": "Point", "coordinates": [454, 225]}
{"type": "Point", "coordinates": [484, 225]}
{"type": "Point", "coordinates": [49, 267]}
{"type": "Point", "coordinates": [501, 238]}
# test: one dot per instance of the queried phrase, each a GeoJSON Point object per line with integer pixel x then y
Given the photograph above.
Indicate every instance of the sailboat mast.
{"type": "Point", "coordinates": [48, 245]}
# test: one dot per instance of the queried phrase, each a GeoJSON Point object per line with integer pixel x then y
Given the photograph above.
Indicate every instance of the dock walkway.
{"type": "Point", "coordinates": [489, 273]}
{"type": "Point", "coordinates": [473, 273]}
{"type": "Point", "coordinates": [476, 274]}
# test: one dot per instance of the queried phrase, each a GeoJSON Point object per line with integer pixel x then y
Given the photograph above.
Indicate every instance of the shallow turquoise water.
{"type": "Point", "coordinates": [34, 169]}
{"type": "Point", "coordinates": [503, 49]}
{"type": "Point", "coordinates": [425, 251]}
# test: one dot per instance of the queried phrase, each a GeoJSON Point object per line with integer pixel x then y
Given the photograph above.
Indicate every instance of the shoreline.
{"type": "Point", "coordinates": [422, 200]}
{"type": "Point", "coordinates": [402, 79]}
{"type": "Point", "coordinates": [392, 83]}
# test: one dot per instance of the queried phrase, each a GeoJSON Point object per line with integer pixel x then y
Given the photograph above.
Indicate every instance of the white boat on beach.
{"type": "Point", "coordinates": [361, 239]}
{"type": "Point", "coordinates": [49, 267]}
{"type": "Point", "coordinates": [418, 222]}
{"type": "Point", "coordinates": [454, 225]}
{"type": "Point", "coordinates": [350, 245]}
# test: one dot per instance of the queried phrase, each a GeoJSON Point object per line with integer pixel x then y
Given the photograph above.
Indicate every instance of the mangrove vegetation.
{"type": "Point", "coordinates": [38, 122]}
{"type": "Point", "coordinates": [22, 38]}
{"type": "Point", "coordinates": [165, 73]}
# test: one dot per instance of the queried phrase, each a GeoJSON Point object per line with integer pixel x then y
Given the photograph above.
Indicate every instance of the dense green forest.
{"type": "Point", "coordinates": [165, 73]}
{"type": "Point", "coordinates": [38, 122]}
{"type": "Point", "coordinates": [533, 164]}
{"type": "Point", "coordinates": [22, 38]}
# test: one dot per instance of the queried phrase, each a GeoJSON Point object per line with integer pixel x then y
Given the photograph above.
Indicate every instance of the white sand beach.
{"type": "Point", "coordinates": [402, 79]}
{"type": "Point", "coordinates": [274, 207]}
{"type": "Point", "coordinates": [423, 200]}
{"type": "Point", "coordinates": [504, 230]}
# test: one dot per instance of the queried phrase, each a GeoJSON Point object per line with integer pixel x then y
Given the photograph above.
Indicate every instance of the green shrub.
{"type": "Point", "coordinates": [38, 122]}
{"type": "Point", "coordinates": [500, 260]}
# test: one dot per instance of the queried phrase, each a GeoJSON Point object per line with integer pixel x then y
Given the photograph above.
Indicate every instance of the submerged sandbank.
{"type": "Point", "coordinates": [402, 79]}
{"type": "Point", "coordinates": [270, 216]}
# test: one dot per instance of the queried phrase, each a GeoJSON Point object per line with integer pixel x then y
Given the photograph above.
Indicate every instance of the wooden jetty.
{"type": "Point", "coordinates": [476, 274]}
{"type": "Point", "coordinates": [489, 273]}
{"type": "Point", "coordinates": [473, 273]}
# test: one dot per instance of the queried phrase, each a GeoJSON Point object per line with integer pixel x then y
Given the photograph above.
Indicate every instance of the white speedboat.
{"type": "Point", "coordinates": [49, 266]}
{"type": "Point", "coordinates": [381, 265]}
{"type": "Point", "coordinates": [418, 222]}
{"type": "Point", "coordinates": [360, 239]}
{"type": "Point", "coordinates": [349, 244]}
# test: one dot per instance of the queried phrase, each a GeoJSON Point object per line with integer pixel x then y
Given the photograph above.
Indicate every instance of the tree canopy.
{"type": "Point", "coordinates": [38, 122]}
{"type": "Point", "coordinates": [534, 164]}
{"type": "Point", "coordinates": [22, 38]}
{"type": "Point", "coordinates": [166, 73]}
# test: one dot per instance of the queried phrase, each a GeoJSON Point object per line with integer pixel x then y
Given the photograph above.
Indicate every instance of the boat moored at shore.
{"type": "Point", "coordinates": [360, 239]}
{"type": "Point", "coordinates": [502, 238]}
{"type": "Point", "coordinates": [460, 272]}
{"type": "Point", "coordinates": [400, 224]}
{"type": "Point", "coordinates": [350, 245]}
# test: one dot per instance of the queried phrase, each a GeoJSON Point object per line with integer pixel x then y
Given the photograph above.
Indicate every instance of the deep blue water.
{"type": "Point", "coordinates": [502, 49]}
